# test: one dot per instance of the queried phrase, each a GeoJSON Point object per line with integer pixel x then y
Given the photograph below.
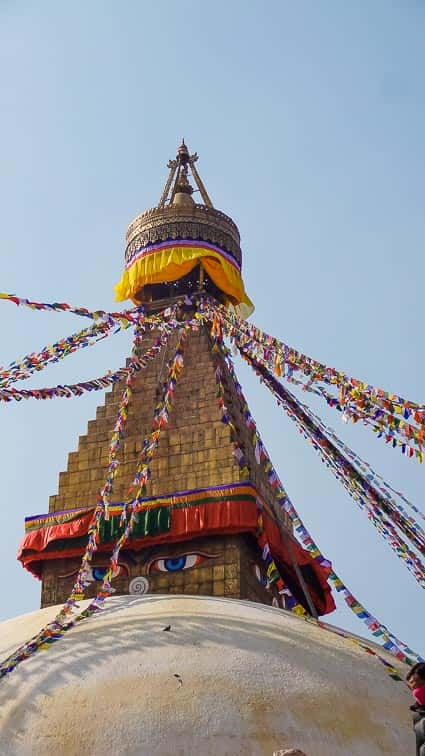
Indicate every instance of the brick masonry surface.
{"type": "Point", "coordinates": [229, 566]}
{"type": "Point", "coordinates": [195, 451]}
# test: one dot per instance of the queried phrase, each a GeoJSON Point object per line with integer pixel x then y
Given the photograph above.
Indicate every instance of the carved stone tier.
{"type": "Point", "coordinates": [182, 222]}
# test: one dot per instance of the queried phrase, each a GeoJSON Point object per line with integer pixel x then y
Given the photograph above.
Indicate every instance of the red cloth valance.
{"type": "Point", "coordinates": [219, 517]}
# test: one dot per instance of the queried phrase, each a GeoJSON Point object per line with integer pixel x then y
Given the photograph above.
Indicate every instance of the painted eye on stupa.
{"type": "Point", "coordinates": [177, 563]}
{"type": "Point", "coordinates": [98, 572]}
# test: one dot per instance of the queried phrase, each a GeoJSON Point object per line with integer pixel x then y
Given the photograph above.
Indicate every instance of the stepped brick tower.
{"type": "Point", "coordinates": [171, 492]}
{"type": "Point", "coordinates": [198, 533]}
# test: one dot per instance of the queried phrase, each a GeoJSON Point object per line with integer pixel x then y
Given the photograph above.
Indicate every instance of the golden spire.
{"type": "Point", "coordinates": [177, 189]}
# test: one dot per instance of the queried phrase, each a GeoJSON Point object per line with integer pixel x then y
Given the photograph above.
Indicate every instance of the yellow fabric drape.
{"type": "Point", "coordinates": [171, 263]}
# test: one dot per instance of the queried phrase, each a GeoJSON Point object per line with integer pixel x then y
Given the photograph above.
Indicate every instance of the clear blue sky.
{"type": "Point", "coordinates": [309, 119]}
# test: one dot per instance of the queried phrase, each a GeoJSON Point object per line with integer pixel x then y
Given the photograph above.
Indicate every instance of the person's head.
{"type": "Point", "coordinates": [416, 676]}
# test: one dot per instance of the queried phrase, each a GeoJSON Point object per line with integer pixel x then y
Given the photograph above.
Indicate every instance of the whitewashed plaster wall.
{"type": "Point", "coordinates": [230, 677]}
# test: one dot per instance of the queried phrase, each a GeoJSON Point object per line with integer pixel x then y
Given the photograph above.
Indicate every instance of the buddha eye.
{"type": "Point", "coordinates": [99, 572]}
{"type": "Point", "coordinates": [174, 564]}
{"type": "Point", "coordinates": [177, 563]}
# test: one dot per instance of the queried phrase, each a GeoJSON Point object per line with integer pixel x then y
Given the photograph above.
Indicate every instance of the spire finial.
{"type": "Point", "coordinates": [178, 179]}
{"type": "Point", "coordinates": [183, 154]}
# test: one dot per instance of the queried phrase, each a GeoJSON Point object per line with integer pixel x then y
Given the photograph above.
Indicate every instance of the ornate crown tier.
{"type": "Point", "coordinates": [196, 222]}
{"type": "Point", "coordinates": [169, 242]}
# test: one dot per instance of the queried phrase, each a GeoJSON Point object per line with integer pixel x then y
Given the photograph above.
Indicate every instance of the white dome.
{"type": "Point", "coordinates": [230, 677]}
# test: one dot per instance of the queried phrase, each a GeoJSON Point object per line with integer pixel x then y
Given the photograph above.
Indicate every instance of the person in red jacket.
{"type": "Point", "coordinates": [416, 682]}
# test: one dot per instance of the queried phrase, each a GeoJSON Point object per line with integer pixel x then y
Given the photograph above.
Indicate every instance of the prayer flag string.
{"type": "Point", "coordinates": [399, 421]}
{"type": "Point", "coordinates": [346, 457]}
{"type": "Point", "coordinates": [102, 506]}
{"type": "Point", "coordinates": [23, 368]}
{"type": "Point", "coordinates": [272, 571]}
{"type": "Point", "coordinates": [390, 641]}
{"type": "Point", "coordinates": [380, 509]}
{"type": "Point", "coordinates": [64, 307]}
{"type": "Point", "coordinates": [54, 630]}
{"type": "Point", "coordinates": [137, 488]}
{"type": "Point", "coordinates": [65, 620]}
{"type": "Point", "coordinates": [68, 391]}
{"type": "Point", "coordinates": [376, 480]}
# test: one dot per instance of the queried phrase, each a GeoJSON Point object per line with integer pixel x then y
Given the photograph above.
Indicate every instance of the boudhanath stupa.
{"type": "Point", "coordinates": [183, 602]}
